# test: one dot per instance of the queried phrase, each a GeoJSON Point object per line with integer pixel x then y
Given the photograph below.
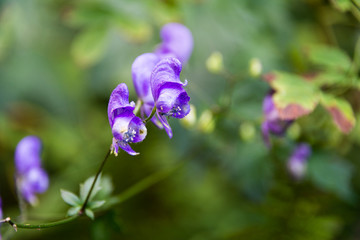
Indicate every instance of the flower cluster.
{"type": "Point", "coordinates": [297, 162]}
{"type": "Point", "coordinates": [156, 78]}
{"type": "Point", "coordinates": [31, 178]}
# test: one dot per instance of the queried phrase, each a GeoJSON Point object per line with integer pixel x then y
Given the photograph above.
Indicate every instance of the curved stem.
{"type": "Point", "coordinates": [138, 106]}
{"type": "Point", "coordinates": [81, 211]}
{"type": "Point", "coordinates": [40, 226]}
{"type": "Point", "coordinates": [151, 115]}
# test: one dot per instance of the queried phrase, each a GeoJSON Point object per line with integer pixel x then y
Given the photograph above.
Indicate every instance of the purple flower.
{"type": "Point", "coordinates": [297, 162]}
{"type": "Point", "coordinates": [126, 127]}
{"type": "Point", "coordinates": [272, 123]}
{"type": "Point", "coordinates": [169, 95]}
{"type": "Point", "coordinates": [141, 72]}
{"type": "Point", "coordinates": [1, 213]}
{"type": "Point", "coordinates": [31, 178]}
{"type": "Point", "coordinates": [177, 41]}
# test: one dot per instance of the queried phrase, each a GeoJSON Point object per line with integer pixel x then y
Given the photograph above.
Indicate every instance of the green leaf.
{"type": "Point", "coordinates": [74, 210]}
{"type": "Point", "coordinates": [335, 78]}
{"type": "Point", "coordinates": [70, 198]}
{"type": "Point", "coordinates": [89, 46]}
{"type": "Point", "coordinates": [294, 96]}
{"type": "Point", "coordinates": [90, 214]}
{"type": "Point", "coordinates": [331, 175]}
{"type": "Point", "coordinates": [342, 5]}
{"type": "Point", "coordinates": [96, 204]}
{"type": "Point", "coordinates": [85, 188]}
{"type": "Point", "coordinates": [340, 111]}
{"type": "Point", "coordinates": [329, 57]}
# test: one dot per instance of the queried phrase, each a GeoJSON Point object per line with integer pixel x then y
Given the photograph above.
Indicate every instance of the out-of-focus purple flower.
{"type": "Point", "coordinates": [272, 123]}
{"type": "Point", "coordinates": [141, 71]}
{"type": "Point", "coordinates": [169, 95]}
{"type": "Point", "coordinates": [126, 127]}
{"type": "Point", "coordinates": [177, 41]}
{"type": "Point", "coordinates": [31, 178]}
{"type": "Point", "coordinates": [1, 213]}
{"type": "Point", "coordinates": [298, 161]}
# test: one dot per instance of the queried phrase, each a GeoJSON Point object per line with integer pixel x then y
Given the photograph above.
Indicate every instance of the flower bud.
{"type": "Point", "coordinates": [255, 67]}
{"type": "Point", "coordinates": [206, 122]}
{"type": "Point", "coordinates": [247, 131]}
{"type": "Point", "coordinates": [189, 120]}
{"type": "Point", "coordinates": [214, 63]}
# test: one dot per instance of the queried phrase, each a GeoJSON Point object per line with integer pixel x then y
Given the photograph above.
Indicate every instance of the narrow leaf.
{"type": "Point", "coordinates": [85, 187]}
{"type": "Point", "coordinates": [90, 214]}
{"type": "Point", "coordinates": [70, 198]}
{"type": "Point", "coordinates": [74, 210]}
{"type": "Point", "coordinates": [340, 111]}
{"type": "Point", "coordinates": [96, 204]}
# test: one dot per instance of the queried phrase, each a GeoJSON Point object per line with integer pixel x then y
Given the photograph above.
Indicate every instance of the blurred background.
{"type": "Point", "coordinates": [60, 60]}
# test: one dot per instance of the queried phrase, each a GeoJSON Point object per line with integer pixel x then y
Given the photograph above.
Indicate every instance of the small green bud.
{"type": "Point", "coordinates": [214, 63]}
{"type": "Point", "coordinates": [255, 67]}
{"type": "Point", "coordinates": [189, 120]}
{"type": "Point", "coordinates": [294, 131]}
{"type": "Point", "coordinates": [206, 122]}
{"type": "Point", "coordinates": [247, 131]}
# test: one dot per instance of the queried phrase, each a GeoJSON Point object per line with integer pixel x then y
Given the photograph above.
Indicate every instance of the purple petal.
{"type": "Point", "coordinates": [1, 213]}
{"type": "Point", "coordinates": [27, 154]}
{"type": "Point", "coordinates": [177, 41]}
{"type": "Point", "coordinates": [165, 123]}
{"type": "Point", "coordinates": [121, 125]}
{"type": "Point", "coordinates": [119, 102]}
{"type": "Point", "coordinates": [126, 147]}
{"type": "Point", "coordinates": [36, 180]}
{"type": "Point", "coordinates": [298, 161]}
{"type": "Point", "coordinates": [137, 125]}
{"type": "Point", "coordinates": [167, 70]}
{"type": "Point", "coordinates": [141, 72]}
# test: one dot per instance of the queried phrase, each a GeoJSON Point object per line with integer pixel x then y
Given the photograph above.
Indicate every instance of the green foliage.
{"type": "Point", "coordinates": [77, 201]}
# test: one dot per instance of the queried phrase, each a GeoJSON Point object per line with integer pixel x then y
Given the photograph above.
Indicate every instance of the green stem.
{"type": "Point", "coordinates": [81, 211]}
{"type": "Point", "coordinates": [151, 115]}
{"type": "Point", "coordinates": [142, 185]}
{"type": "Point", "coordinates": [41, 226]}
{"type": "Point", "coordinates": [137, 106]}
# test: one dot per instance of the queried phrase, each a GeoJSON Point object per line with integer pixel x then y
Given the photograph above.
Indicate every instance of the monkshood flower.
{"type": "Point", "coordinates": [30, 177]}
{"type": "Point", "coordinates": [141, 71]}
{"type": "Point", "coordinates": [177, 41]}
{"type": "Point", "coordinates": [126, 127]}
{"type": "Point", "coordinates": [298, 161]}
{"type": "Point", "coordinates": [272, 123]}
{"type": "Point", "coordinates": [171, 99]}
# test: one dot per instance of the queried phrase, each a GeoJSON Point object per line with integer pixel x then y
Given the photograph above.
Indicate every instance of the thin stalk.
{"type": "Point", "coordinates": [40, 226]}
{"type": "Point", "coordinates": [81, 211]}
{"type": "Point", "coordinates": [137, 106]}
{"type": "Point", "coordinates": [151, 115]}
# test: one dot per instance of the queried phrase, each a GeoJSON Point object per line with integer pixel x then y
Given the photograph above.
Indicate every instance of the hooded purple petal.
{"type": "Point", "coordinates": [119, 102]}
{"type": "Point", "coordinates": [141, 72]}
{"type": "Point", "coordinates": [177, 41]}
{"type": "Point", "coordinates": [27, 154]}
{"type": "Point", "coordinates": [31, 178]}
{"type": "Point", "coordinates": [170, 97]}
{"type": "Point", "coordinates": [126, 127]}
{"type": "Point", "coordinates": [298, 160]}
